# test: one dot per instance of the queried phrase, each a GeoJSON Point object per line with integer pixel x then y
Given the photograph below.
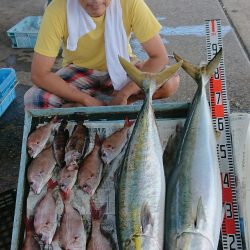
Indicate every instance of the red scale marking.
{"type": "Point", "coordinates": [228, 226]}
{"type": "Point", "coordinates": [218, 109]}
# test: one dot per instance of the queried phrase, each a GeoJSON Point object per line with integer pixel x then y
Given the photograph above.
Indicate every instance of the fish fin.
{"type": "Point", "coordinates": [192, 70]}
{"type": "Point", "coordinates": [147, 81]}
{"type": "Point", "coordinates": [96, 213]}
{"type": "Point", "coordinates": [164, 75]}
{"type": "Point", "coordinates": [128, 123]}
{"type": "Point", "coordinates": [135, 74]}
{"type": "Point", "coordinates": [146, 217]}
{"type": "Point", "coordinates": [213, 64]}
{"type": "Point", "coordinates": [200, 215]}
{"type": "Point", "coordinates": [51, 184]}
{"type": "Point", "coordinates": [204, 72]}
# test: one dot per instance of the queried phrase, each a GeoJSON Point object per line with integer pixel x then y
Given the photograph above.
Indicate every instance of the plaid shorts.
{"type": "Point", "coordinates": [92, 82]}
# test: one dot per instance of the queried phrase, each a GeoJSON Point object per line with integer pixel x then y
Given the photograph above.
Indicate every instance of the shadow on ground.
{"type": "Point", "coordinates": [11, 132]}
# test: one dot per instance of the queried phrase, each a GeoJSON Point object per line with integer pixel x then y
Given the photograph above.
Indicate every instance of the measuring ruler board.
{"type": "Point", "coordinates": [230, 230]}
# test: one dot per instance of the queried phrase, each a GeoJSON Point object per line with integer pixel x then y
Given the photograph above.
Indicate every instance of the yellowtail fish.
{"type": "Point", "coordinates": [194, 195]}
{"type": "Point", "coordinates": [140, 194]}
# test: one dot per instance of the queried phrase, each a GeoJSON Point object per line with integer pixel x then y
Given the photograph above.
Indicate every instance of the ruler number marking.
{"type": "Point", "coordinates": [226, 181]}
{"type": "Point", "coordinates": [223, 151]}
{"type": "Point", "coordinates": [218, 98]}
{"type": "Point", "coordinates": [220, 124]}
{"type": "Point", "coordinates": [232, 242]}
{"type": "Point", "coordinates": [229, 210]}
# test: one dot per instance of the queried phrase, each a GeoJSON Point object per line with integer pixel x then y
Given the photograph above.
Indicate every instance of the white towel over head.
{"type": "Point", "coordinates": [80, 23]}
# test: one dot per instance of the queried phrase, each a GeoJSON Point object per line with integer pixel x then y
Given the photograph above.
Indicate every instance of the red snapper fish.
{"type": "Point", "coordinates": [72, 234]}
{"type": "Point", "coordinates": [113, 144]}
{"type": "Point", "coordinates": [39, 138]}
{"type": "Point", "coordinates": [97, 240]}
{"type": "Point", "coordinates": [90, 170]}
{"type": "Point", "coordinates": [45, 221]}
{"type": "Point", "coordinates": [40, 170]}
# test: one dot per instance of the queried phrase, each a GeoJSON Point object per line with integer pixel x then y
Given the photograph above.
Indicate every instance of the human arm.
{"type": "Point", "coordinates": [44, 78]}
{"type": "Point", "coordinates": [158, 59]}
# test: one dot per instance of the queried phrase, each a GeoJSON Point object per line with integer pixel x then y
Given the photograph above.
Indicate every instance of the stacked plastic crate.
{"type": "Point", "coordinates": [7, 88]}
{"type": "Point", "coordinates": [24, 33]}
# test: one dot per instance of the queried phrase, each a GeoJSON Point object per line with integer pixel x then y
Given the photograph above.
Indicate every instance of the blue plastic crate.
{"type": "Point", "coordinates": [7, 90]}
{"type": "Point", "coordinates": [7, 80]}
{"type": "Point", "coordinates": [24, 33]}
{"type": "Point", "coordinates": [7, 100]}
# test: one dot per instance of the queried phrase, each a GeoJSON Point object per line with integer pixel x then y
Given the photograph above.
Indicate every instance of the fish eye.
{"type": "Point", "coordinates": [47, 223]}
{"type": "Point", "coordinates": [92, 175]}
{"type": "Point", "coordinates": [68, 176]}
{"type": "Point", "coordinates": [37, 142]}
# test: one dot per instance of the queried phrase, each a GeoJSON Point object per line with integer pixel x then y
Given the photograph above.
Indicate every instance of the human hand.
{"type": "Point", "coordinates": [119, 98]}
{"type": "Point", "coordinates": [96, 102]}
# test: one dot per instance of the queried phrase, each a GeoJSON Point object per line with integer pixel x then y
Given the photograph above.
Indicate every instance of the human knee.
{"type": "Point", "coordinates": [168, 88]}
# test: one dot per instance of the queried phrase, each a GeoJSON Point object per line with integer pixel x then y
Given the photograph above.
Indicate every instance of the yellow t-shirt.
{"type": "Point", "coordinates": [90, 52]}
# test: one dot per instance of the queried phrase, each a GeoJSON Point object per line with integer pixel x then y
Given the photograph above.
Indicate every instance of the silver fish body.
{"type": "Point", "coordinates": [140, 197]}
{"type": "Point", "coordinates": [194, 195]}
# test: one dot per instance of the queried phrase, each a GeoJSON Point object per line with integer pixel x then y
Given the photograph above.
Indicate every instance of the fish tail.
{"type": "Point", "coordinates": [65, 195]}
{"type": "Point", "coordinates": [55, 119]}
{"type": "Point", "coordinates": [64, 124]}
{"type": "Point", "coordinates": [149, 82]}
{"type": "Point", "coordinates": [96, 213]}
{"type": "Point", "coordinates": [51, 184]}
{"type": "Point", "coordinates": [128, 123]}
{"type": "Point", "coordinates": [200, 74]}
{"type": "Point", "coordinates": [98, 141]}
{"type": "Point", "coordinates": [28, 222]}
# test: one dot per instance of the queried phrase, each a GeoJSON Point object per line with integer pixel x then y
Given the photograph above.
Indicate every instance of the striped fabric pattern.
{"type": "Point", "coordinates": [92, 82]}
